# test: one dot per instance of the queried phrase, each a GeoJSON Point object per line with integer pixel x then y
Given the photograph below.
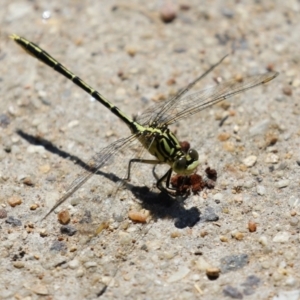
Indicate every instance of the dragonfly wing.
{"type": "Point", "coordinates": [198, 101]}
{"type": "Point", "coordinates": [93, 165]}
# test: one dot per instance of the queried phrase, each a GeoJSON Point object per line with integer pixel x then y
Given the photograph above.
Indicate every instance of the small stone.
{"type": "Point", "coordinates": [75, 201]}
{"type": "Point", "coordinates": [40, 289]}
{"type": "Point", "coordinates": [263, 240]}
{"type": "Point", "coordinates": [232, 292]}
{"type": "Point", "coordinates": [19, 264]}
{"type": "Point", "coordinates": [3, 213]}
{"type": "Point", "coordinates": [250, 285]}
{"type": "Point", "coordinates": [277, 276]}
{"type": "Point", "coordinates": [224, 136]}
{"type": "Point", "coordinates": [259, 128]}
{"type": "Point", "coordinates": [261, 190]}
{"type": "Point", "coordinates": [74, 264]}
{"type": "Point", "coordinates": [294, 221]}
{"type": "Point", "coordinates": [223, 239]}
{"type": "Point", "coordinates": [45, 169]}
{"type": "Point", "coordinates": [287, 295]}
{"type": "Point", "coordinates": [14, 201]}
{"type": "Point", "coordinates": [218, 197]}
{"type": "Point", "coordinates": [34, 206]}
{"type": "Point", "coordinates": [28, 181]}
{"type": "Point", "coordinates": [90, 264]}
{"type": "Point", "coordinates": [233, 262]}
{"type": "Point", "coordinates": [282, 183]}
{"type": "Point", "coordinates": [202, 264]}
{"type": "Point", "coordinates": [13, 221]}
{"type": "Point", "coordinates": [138, 216]}
{"type": "Point", "coordinates": [68, 230]}
{"type": "Point", "coordinates": [239, 236]}
{"type": "Point", "coordinates": [131, 50]}
{"type": "Point", "coordinates": [281, 237]}
{"type": "Point", "coordinates": [43, 232]}
{"type": "Point", "coordinates": [35, 149]}
{"type": "Point", "coordinates": [58, 246]}
{"type": "Point", "coordinates": [290, 281]}
{"type": "Point", "coordinates": [213, 273]}
{"type": "Point", "coordinates": [168, 12]}
{"type": "Point", "coordinates": [250, 161]}
{"type": "Point", "coordinates": [179, 275]}
{"type": "Point", "coordinates": [272, 158]}
{"type": "Point", "coordinates": [73, 123]}
{"type": "Point", "coordinates": [287, 90]}
{"type": "Point", "coordinates": [265, 264]}
{"type": "Point", "coordinates": [64, 217]}
{"type": "Point", "coordinates": [229, 146]}
{"type": "Point", "coordinates": [252, 226]}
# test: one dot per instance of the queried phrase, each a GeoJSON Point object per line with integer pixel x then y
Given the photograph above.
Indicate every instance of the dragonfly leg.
{"type": "Point", "coordinates": [142, 161]}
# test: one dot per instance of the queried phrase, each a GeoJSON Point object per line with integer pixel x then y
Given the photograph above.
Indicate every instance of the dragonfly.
{"type": "Point", "coordinates": [151, 128]}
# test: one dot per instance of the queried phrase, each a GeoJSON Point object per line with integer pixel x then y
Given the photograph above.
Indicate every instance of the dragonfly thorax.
{"type": "Point", "coordinates": [164, 145]}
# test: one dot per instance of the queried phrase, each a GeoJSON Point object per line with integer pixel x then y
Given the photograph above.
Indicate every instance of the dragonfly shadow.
{"type": "Point", "coordinates": [161, 205]}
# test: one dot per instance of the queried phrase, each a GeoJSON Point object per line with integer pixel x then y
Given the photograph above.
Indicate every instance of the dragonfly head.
{"type": "Point", "coordinates": [186, 164]}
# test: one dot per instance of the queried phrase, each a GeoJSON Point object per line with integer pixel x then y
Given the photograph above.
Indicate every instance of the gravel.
{"type": "Point", "coordinates": [49, 130]}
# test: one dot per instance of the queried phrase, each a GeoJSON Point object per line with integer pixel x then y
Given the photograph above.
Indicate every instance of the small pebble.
{"type": "Point", "coordinates": [252, 226]}
{"type": "Point", "coordinates": [232, 292]}
{"type": "Point", "coordinates": [282, 183]}
{"type": "Point", "coordinates": [272, 158]}
{"type": "Point", "coordinates": [19, 264]}
{"type": "Point", "coordinates": [223, 239]}
{"type": "Point", "coordinates": [75, 201]}
{"type": "Point", "coordinates": [73, 123]}
{"type": "Point", "coordinates": [263, 240]}
{"type": "Point", "coordinates": [43, 232]}
{"type": "Point", "coordinates": [179, 275]}
{"type": "Point", "coordinates": [168, 12]}
{"type": "Point", "coordinates": [13, 221]}
{"type": "Point", "coordinates": [90, 264]}
{"type": "Point", "coordinates": [294, 221]}
{"type": "Point", "coordinates": [202, 264]}
{"type": "Point", "coordinates": [34, 206]}
{"type": "Point", "coordinates": [212, 273]}
{"type": "Point", "coordinates": [64, 217]}
{"type": "Point", "coordinates": [74, 264]}
{"type": "Point", "coordinates": [45, 168]}
{"type": "Point", "coordinates": [131, 50]}
{"type": "Point", "coordinates": [265, 264]}
{"type": "Point", "coordinates": [28, 181]}
{"type": "Point", "coordinates": [14, 201]}
{"type": "Point", "coordinates": [224, 136]}
{"type": "Point", "coordinates": [35, 149]}
{"type": "Point", "coordinates": [68, 230]}
{"type": "Point", "coordinates": [3, 213]}
{"type": "Point", "coordinates": [290, 281]}
{"type": "Point", "coordinates": [58, 246]}
{"type": "Point", "coordinates": [259, 128]}
{"type": "Point", "coordinates": [233, 262]}
{"type": "Point", "coordinates": [287, 90]}
{"type": "Point", "coordinates": [261, 190]}
{"type": "Point", "coordinates": [239, 236]}
{"type": "Point", "coordinates": [250, 161]}
{"type": "Point", "coordinates": [138, 216]}
{"type": "Point", "coordinates": [281, 237]}
{"type": "Point", "coordinates": [218, 196]}
{"type": "Point", "coordinates": [40, 289]}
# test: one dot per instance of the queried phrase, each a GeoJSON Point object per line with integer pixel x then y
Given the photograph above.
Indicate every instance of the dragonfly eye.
{"type": "Point", "coordinates": [193, 154]}
{"type": "Point", "coordinates": [179, 165]}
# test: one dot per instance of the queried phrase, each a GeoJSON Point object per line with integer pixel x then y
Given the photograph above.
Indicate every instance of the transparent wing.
{"type": "Point", "coordinates": [198, 101]}
{"type": "Point", "coordinates": [94, 164]}
{"type": "Point", "coordinates": [157, 111]}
